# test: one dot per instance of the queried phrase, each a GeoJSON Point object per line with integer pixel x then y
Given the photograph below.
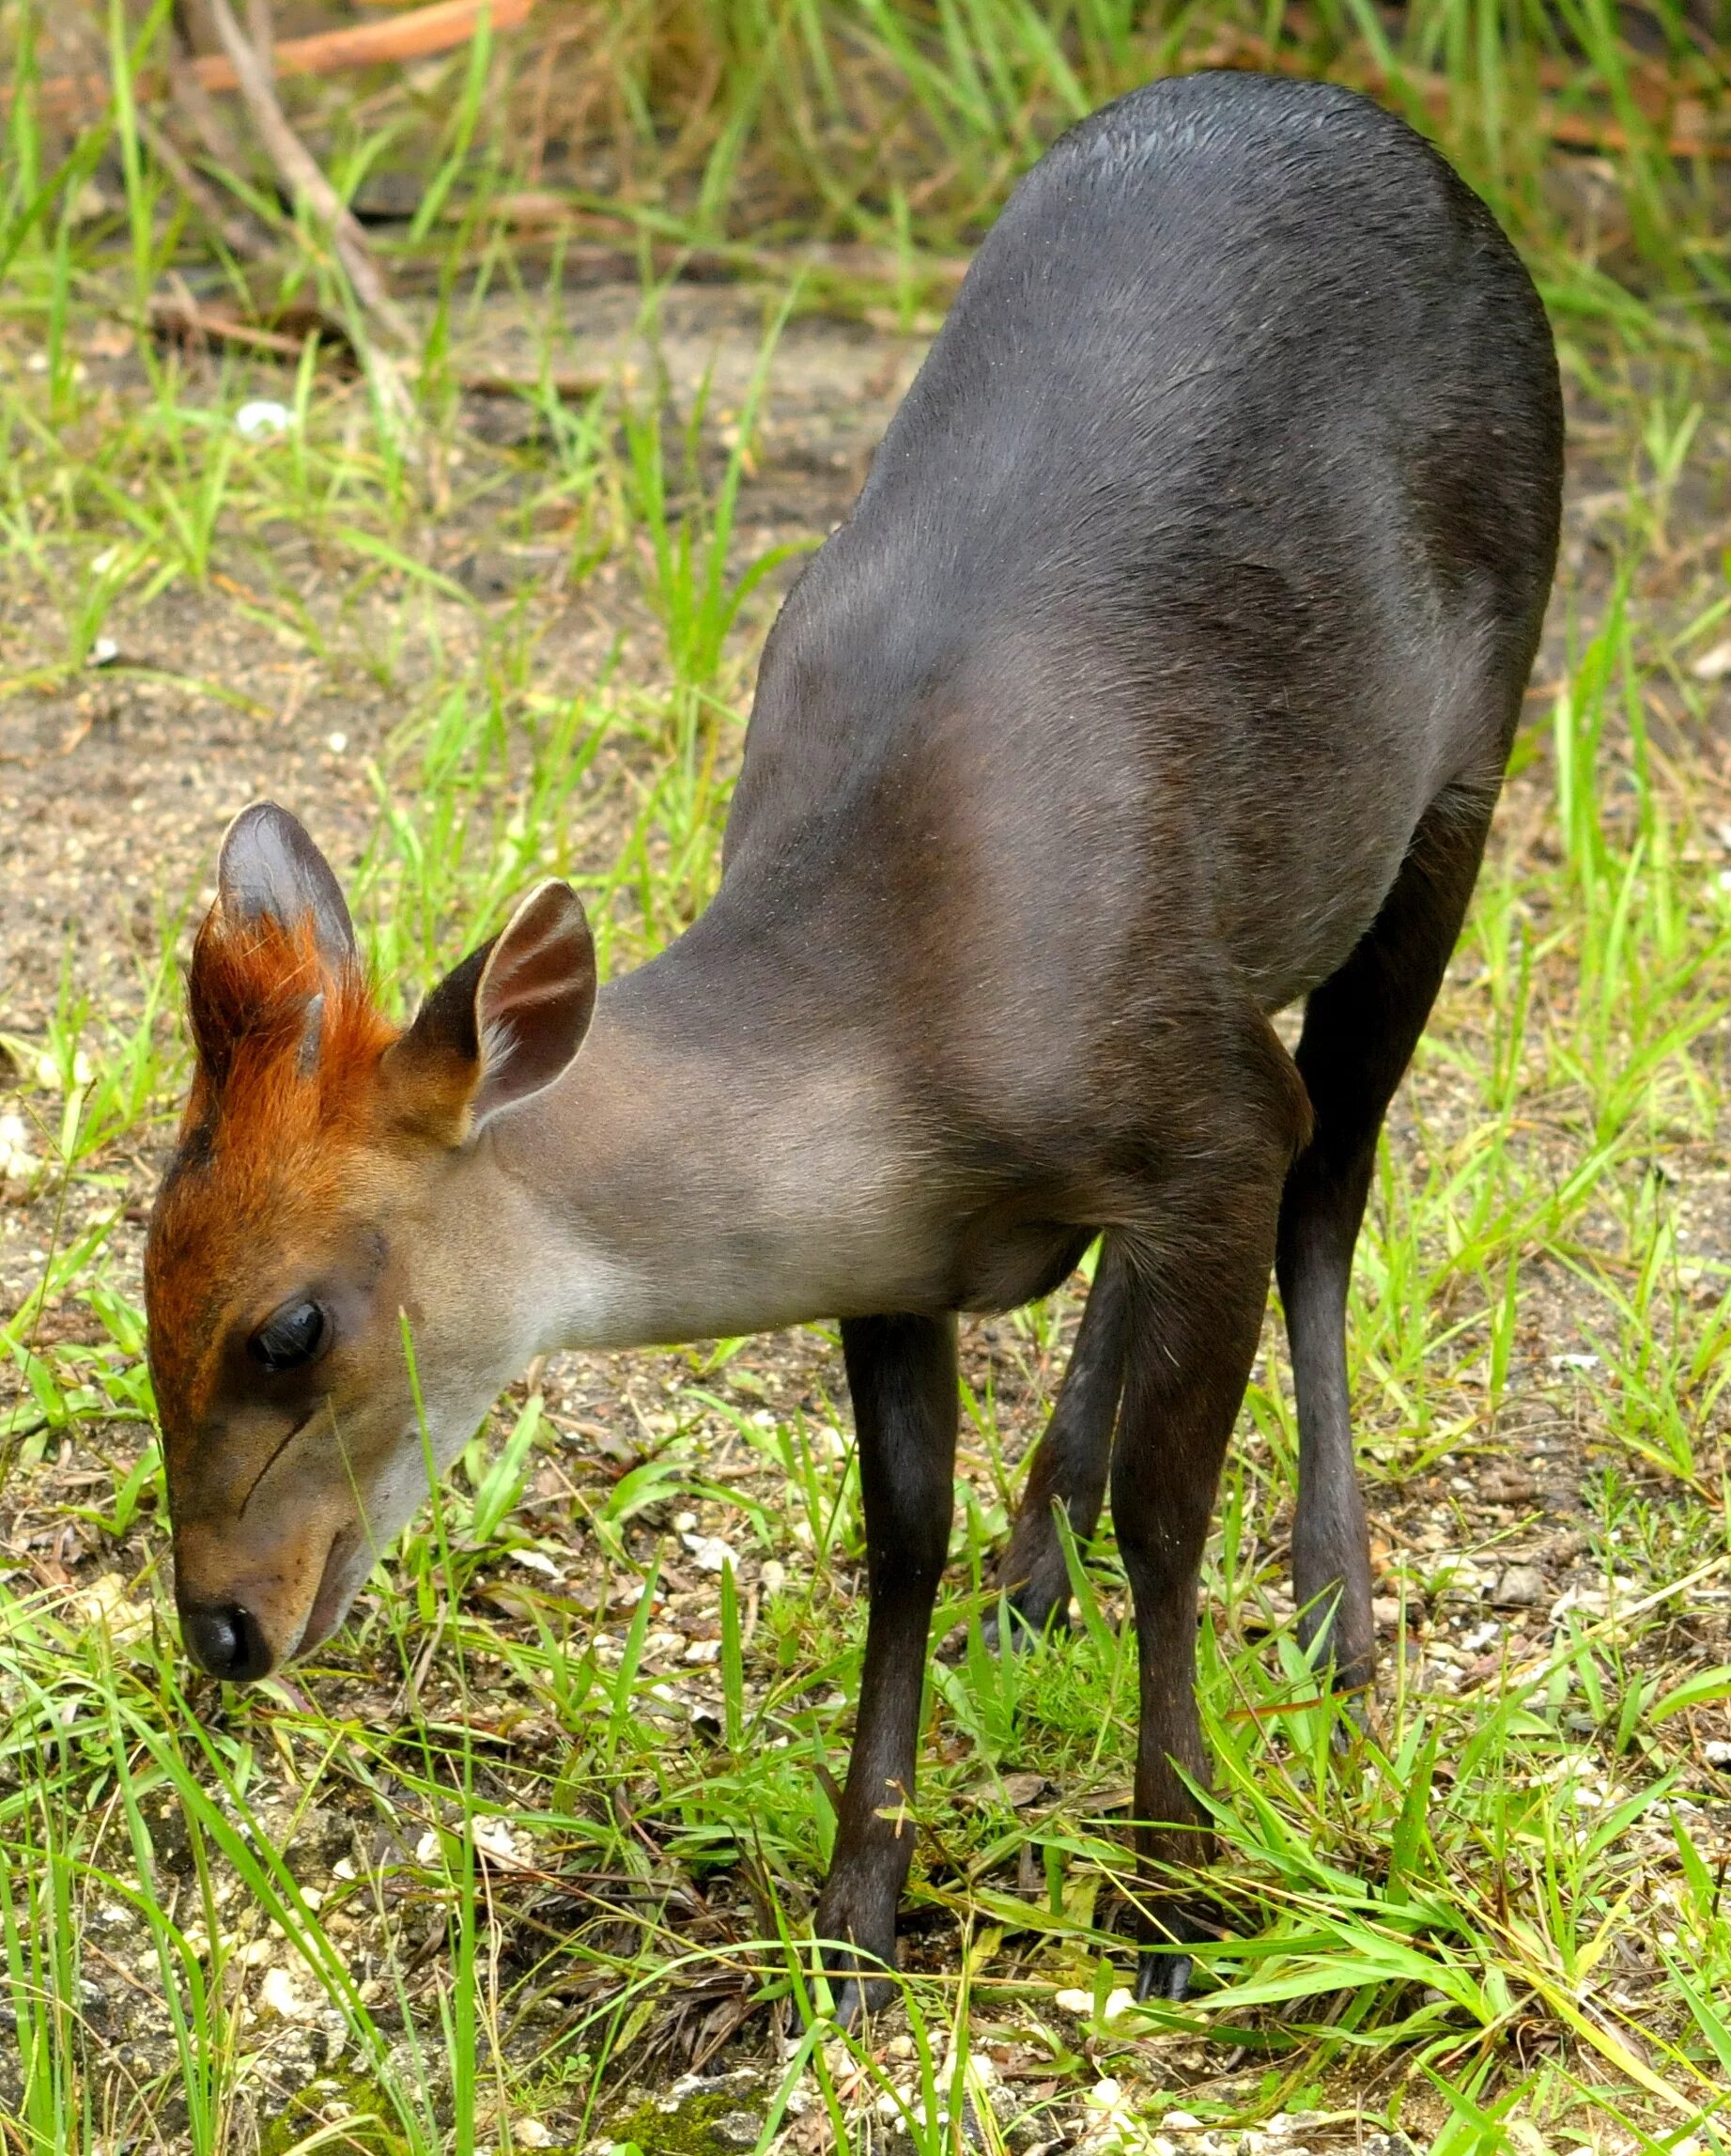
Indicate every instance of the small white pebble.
{"type": "Point", "coordinates": [1181, 2122]}
{"type": "Point", "coordinates": [277, 1993]}
{"type": "Point", "coordinates": [709, 1553]}
{"type": "Point", "coordinates": [494, 1839]}
{"type": "Point", "coordinates": [1104, 2094]}
{"type": "Point", "coordinates": [685, 1523]}
{"type": "Point", "coordinates": [1074, 2002]}
{"type": "Point", "coordinates": [1117, 2004]}
{"type": "Point", "coordinates": [1717, 1752]}
{"type": "Point", "coordinates": [336, 742]}
{"type": "Point", "coordinates": [263, 417]}
{"type": "Point", "coordinates": [702, 1651]}
{"type": "Point", "coordinates": [531, 2134]}
{"type": "Point", "coordinates": [16, 1158]}
{"type": "Point", "coordinates": [773, 1577]}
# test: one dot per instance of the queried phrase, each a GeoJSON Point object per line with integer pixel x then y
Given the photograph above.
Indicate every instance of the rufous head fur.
{"type": "Point", "coordinates": [309, 1217]}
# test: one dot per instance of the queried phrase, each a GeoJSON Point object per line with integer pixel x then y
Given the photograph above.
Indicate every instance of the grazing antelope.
{"type": "Point", "coordinates": [1164, 674]}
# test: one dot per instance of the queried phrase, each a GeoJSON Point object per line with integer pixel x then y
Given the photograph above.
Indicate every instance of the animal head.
{"type": "Point", "coordinates": [318, 1206]}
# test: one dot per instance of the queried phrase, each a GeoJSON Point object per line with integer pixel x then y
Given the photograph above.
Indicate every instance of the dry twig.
{"type": "Point", "coordinates": [190, 98]}
{"type": "Point", "coordinates": [415, 36]}
{"type": "Point", "coordinates": [308, 185]}
{"type": "Point", "coordinates": [177, 314]}
{"type": "Point", "coordinates": [236, 231]}
{"type": "Point", "coordinates": [305, 181]}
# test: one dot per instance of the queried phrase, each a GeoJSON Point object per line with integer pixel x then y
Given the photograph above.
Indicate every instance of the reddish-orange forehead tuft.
{"type": "Point", "coordinates": [282, 1097]}
{"type": "Point", "coordinates": [270, 1066]}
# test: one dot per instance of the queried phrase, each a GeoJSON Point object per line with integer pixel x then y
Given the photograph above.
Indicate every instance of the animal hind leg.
{"type": "Point", "coordinates": [1198, 1285]}
{"type": "Point", "coordinates": [1073, 1454]}
{"type": "Point", "coordinates": [1360, 1026]}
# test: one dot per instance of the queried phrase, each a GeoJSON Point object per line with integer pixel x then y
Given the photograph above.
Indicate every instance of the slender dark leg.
{"type": "Point", "coordinates": [1071, 1461]}
{"type": "Point", "coordinates": [901, 1372]}
{"type": "Point", "coordinates": [1360, 1029]}
{"type": "Point", "coordinates": [1195, 1316]}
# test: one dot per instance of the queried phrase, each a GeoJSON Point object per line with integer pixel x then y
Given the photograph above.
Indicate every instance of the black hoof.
{"type": "Point", "coordinates": [1347, 1668]}
{"type": "Point", "coordinates": [1353, 1702]}
{"type": "Point", "coordinates": [857, 1958]}
{"type": "Point", "coordinates": [1166, 1963]}
{"type": "Point", "coordinates": [1163, 1972]}
{"type": "Point", "coordinates": [857, 1998]}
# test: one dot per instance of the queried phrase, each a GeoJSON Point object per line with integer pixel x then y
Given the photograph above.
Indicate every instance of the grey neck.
{"type": "Point", "coordinates": [710, 1166]}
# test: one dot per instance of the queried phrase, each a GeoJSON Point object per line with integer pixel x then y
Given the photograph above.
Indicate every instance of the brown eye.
{"type": "Point", "coordinates": [291, 1338]}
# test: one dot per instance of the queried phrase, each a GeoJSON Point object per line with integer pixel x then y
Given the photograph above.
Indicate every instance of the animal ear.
{"type": "Point", "coordinates": [269, 868]}
{"type": "Point", "coordinates": [503, 1025]}
{"type": "Point", "coordinates": [278, 936]}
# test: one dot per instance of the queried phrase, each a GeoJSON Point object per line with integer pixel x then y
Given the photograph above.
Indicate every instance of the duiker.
{"type": "Point", "coordinates": [1162, 676]}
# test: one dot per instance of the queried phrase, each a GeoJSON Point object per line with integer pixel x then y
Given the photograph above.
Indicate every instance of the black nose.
{"type": "Point", "coordinates": [226, 1642]}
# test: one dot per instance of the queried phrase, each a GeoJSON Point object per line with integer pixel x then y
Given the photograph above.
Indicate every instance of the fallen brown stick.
{"type": "Point", "coordinates": [301, 171]}
{"type": "Point", "coordinates": [177, 314]}
{"type": "Point", "coordinates": [566, 386]}
{"type": "Point", "coordinates": [411, 37]}
{"type": "Point", "coordinates": [313, 192]}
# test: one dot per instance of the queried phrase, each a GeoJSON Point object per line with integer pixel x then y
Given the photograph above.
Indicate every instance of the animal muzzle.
{"type": "Point", "coordinates": [248, 1599]}
{"type": "Point", "coordinates": [226, 1641]}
